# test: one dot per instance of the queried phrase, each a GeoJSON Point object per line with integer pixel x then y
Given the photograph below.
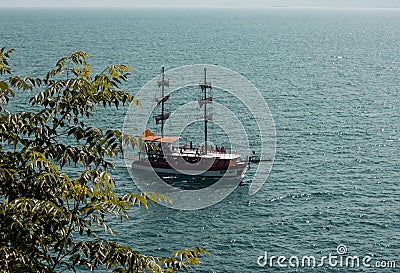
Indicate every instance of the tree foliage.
{"type": "Point", "coordinates": [49, 220]}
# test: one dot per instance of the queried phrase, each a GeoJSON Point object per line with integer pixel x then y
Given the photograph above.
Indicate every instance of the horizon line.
{"type": "Point", "coordinates": [212, 6]}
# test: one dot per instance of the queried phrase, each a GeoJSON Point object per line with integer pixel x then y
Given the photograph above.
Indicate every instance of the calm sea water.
{"type": "Point", "coordinates": [331, 79]}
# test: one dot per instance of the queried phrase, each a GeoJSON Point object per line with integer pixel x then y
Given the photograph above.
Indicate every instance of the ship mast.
{"type": "Point", "coordinates": [162, 102]}
{"type": "Point", "coordinates": [203, 102]}
{"type": "Point", "coordinates": [164, 116]}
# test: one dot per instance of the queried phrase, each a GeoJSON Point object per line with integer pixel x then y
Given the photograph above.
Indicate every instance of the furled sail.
{"type": "Point", "coordinates": [204, 101]}
{"type": "Point", "coordinates": [164, 82]}
{"type": "Point", "coordinates": [158, 118]}
{"type": "Point", "coordinates": [162, 99]}
{"type": "Point", "coordinates": [205, 85]}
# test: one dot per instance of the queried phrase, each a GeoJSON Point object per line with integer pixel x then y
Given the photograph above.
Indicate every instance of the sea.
{"type": "Point", "coordinates": [331, 80]}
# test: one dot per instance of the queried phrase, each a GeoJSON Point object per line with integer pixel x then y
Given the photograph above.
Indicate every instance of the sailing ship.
{"type": "Point", "coordinates": [161, 154]}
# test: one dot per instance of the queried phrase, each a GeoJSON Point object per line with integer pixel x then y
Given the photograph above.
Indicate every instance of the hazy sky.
{"type": "Point", "coordinates": [228, 3]}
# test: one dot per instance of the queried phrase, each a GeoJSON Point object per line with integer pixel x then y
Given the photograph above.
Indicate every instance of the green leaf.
{"type": "Point", "coordinates": [3, 85]}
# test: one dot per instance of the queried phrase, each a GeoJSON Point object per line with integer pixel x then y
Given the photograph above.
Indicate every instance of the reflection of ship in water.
{"type": "Point", "coordinates": [163, 154]}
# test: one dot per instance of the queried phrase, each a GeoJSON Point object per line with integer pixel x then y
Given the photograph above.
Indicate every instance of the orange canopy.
{"type": "Point", "coordinates": [149, 136]}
